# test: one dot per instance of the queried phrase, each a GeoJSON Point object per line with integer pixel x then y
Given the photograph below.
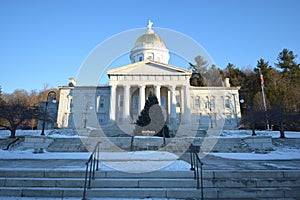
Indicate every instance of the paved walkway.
{"type": "Point", "coordinates": [217, 163]}
{"type": "Point", "coordinates": [210, 163]}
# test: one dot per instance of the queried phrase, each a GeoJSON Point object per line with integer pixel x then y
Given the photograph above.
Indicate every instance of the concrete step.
{"type": "Point", "coordinates": [178, 193]}
{"type": "Point", "coordinates": [29, 173]}
{"type": "Point", "coordinates": [97, 183]}
{"type": "Point", "coordinates": [98, 174]}
{"type": "Point", "coordinates": [157, 184]}
{"type": "Point", "coordinates": [148, 182]}
{"type": "Point", "coordinates": [67, 145]}
{"type": "Point", "coordinates": [256, 174]}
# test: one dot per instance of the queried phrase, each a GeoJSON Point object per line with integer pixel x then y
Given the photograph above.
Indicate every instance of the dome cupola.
{"type": "Point", "coordinates": [149, 46]}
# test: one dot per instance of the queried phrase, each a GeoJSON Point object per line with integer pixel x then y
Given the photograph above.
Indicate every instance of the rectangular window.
{"type": "Point", "coordinates": [227, 102]}
{"type": "Point", "coordinates": [177, 100]}
{"type": "Point", "coordinates": [121, 101]}
{"type": "Point", "coordinates": [102, 102]}
{"type": "Point", "coordinates": [178, 118]}
{"type": "Point", "coordinates": [212, 103]}
{"type": "Point", "coordinates": [197, 103]}
{"type": "Point", "coordinates": [207, 105]}
{"type": "Point", "coordinates": [135, 102]}
{"type": "Point", "coordinates": [163, 101]}
{"type": "Point", "coordinates": [192, 103]}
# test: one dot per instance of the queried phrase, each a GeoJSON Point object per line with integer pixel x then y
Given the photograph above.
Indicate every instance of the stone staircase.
{"type": "Point", "coordinates": [66, 145]}
{"type": "Point", "coordinates": [251, 184]}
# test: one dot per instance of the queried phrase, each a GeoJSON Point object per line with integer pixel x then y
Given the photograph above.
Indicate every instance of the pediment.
{"type": "Point", "coordinates": [146, 68]}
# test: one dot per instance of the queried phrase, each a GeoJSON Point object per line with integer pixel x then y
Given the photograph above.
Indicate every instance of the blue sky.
{"type": "Point", "coordinates": [45, 42]}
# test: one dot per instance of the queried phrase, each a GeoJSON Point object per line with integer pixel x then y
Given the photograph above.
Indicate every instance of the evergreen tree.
{"type": "Point", "coordinates": [286, 61]}
{"type": "Point", "coordinates": [0, 95]}
{"type": "Point", "coordinates": [199, 69]}
{"type": "Point", "coordinates": [235, 75]}
{"type": "Point", "coordinates": [151, 118]}
{"type": "Point", "coordinates": [144, 118]}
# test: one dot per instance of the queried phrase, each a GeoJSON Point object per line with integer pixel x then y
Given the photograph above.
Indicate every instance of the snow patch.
{"type": "Point", "coordinates": [273, 155]}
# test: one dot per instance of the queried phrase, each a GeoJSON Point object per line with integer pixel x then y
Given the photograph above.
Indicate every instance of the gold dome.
{"type": "Point", "coordinates": [149, 38]}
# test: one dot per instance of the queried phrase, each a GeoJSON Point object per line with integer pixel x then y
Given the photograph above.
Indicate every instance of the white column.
{"type": "Point", "coordinates": [173, 105]}
{"type": "Point", "coordinates": [187, 106]}
{"type": "Point", "coordinates": [157, 93]}
{"type": "Point", "coordinates": [182, 108]}
{"type": "Point", "coordinates": [126, 105]}
{"type": "Point", "coordinates": [141, 97]}
{"type": "Point", "coordinates": [112, 110]}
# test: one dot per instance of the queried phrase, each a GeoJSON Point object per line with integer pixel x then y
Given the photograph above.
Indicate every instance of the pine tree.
{"type": "Point", "coordinates": [199, 69]}
{"type": "Point", "coordinates": [151, 118]}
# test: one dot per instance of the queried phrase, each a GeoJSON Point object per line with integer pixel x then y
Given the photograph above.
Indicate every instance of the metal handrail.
{"type": "Point", "coordinates": [196, 166]}
{"type": "Point", "coordinates": [92, 165]}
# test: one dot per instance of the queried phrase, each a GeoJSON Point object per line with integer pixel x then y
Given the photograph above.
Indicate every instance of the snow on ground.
{"type": "Point", "coordinates": [105, 156]}
{"type": "Point", "coordinates": [28, 154]}
{"type": "Point", "coordinates": [40, 198]}
{"type": "Point", "coordinates": [248, 133]}
{"type": "Point", "coordinates": [273, 155]}
{"type": "Point", "coordinates": [139, 161]}
{"type": "Point", "coordinates": [279, 153]}
{"type": "Point", "coordinates": [55, 133]}
{"type": "Point", "coordinates": [70, 133]}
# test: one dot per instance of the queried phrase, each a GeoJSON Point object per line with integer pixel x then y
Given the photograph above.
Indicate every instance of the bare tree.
{"type": "Point", "coordinates": [14, 114]}
{"type": "Point", "coordinates": [14, 111]}
{"type": "Point", "coordinates": [213, 77]}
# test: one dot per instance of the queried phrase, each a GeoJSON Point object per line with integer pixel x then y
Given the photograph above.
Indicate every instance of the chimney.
{"type": "Point", "coordinates": [227, 83]}
{"type": "Point", "coordinates": [72, 82]}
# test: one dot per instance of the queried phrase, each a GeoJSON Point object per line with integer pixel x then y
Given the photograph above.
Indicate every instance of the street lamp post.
{"type": "Point", "coordinates": [263, 95]}
{"type": "Point", "coordinates": [211, 117]}
{"type": "Point", "coordinates": [208, 105]}
{"type": "Point", "coordinates": [251, 113]}
{"type": "Point", "coordinates": [87, 107]}
{"type": "Point", "coordinates": [235, 110]}
{"type": "Point", "coordinates": [53, 94]}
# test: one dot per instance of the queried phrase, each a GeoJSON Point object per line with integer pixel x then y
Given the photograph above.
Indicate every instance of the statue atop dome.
{"type": "Point", "coordinates": [150, 23]}
{"type": "Point", "coordinates": [150, 30]}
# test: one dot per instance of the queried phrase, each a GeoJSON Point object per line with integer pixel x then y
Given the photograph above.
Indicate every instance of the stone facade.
{"type": "Point", "coordinates": [129, 86]}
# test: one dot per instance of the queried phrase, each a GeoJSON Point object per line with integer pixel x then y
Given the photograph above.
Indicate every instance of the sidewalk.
{"type": "Point", "coordinates": [76, 161]}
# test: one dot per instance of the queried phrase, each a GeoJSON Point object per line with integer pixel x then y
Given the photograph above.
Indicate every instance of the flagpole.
{"type": "Point", "coordinates": [263, 95]}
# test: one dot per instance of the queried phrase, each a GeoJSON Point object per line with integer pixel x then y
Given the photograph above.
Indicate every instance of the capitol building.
{"type": "Point", "coordinates": [122, 100]}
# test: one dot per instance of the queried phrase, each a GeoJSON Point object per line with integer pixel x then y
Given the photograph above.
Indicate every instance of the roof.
{"type": "Point", "coordinates": [148, 67]}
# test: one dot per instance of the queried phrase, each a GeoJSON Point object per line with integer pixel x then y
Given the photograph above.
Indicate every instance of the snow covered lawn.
{"type": "Point", "coordinates": [279, 153]}
{"type": "Point", "coordinates": [248, 133]}
{"type": "Point", "coordinates": [274, 155]}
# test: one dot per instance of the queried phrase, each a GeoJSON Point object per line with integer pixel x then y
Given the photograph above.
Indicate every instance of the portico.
{"type": "Point", "coordinates": [130, 87]}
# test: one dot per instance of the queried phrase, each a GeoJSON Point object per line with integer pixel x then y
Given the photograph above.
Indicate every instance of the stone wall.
{"type": "Point", "coordinates": [231, 145]}
{"type": "Point", "coordinates": [37, 143]}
